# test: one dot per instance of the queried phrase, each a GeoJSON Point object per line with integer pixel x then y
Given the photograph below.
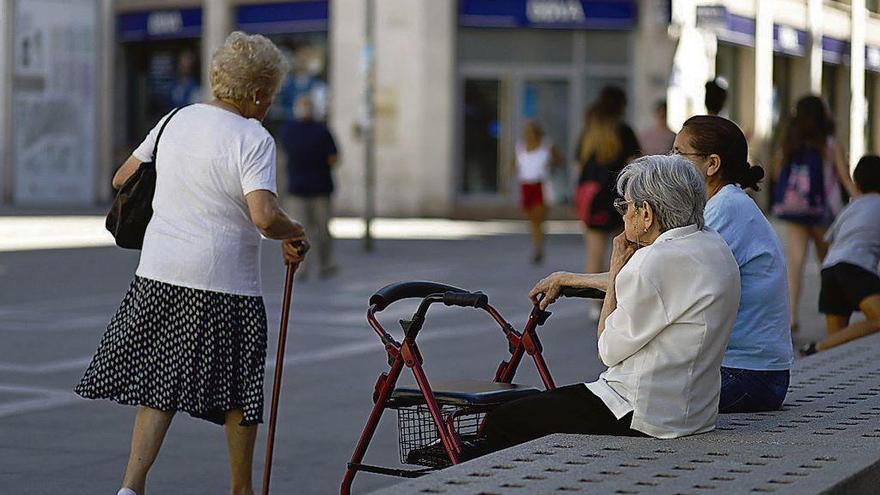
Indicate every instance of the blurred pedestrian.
{"type": "Point", "coordinates": [716, 95]}
{"type": "Point", "coordinates": [606, 145]}
{"type": "Point", "coordinates": [186, 89]}
{"type": "Point", "coordinates": [755, 370]}
{"type": "Point", "coordinates": [190, 334]}
{"type": "Point", "coordinates": [850, 279]}
{"type": "Point", "coordinates": [311, 154]}
{"type": "Point", "coordinates": [535, 154]}
{"type": "Point", "coordinates": [658, 139]}
{"type": "Point", "coordinates": [809, 167]}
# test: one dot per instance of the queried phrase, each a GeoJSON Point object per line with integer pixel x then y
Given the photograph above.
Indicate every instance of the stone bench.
{"type": "Point", "coordinates": [826, 440]}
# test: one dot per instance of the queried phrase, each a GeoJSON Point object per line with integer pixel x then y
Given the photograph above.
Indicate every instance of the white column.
{"type": "Point", "coordinates": [814, 45]}
{"type": "Point", "coordinates": [216, 26]}
{"type": "Point", "coordinates": [763, 76]}
{"type": "Point", "coordinates": [693, 64]}
{"type": "Point", "coordinates": [858, 110]}
{"type": "Point", "coordinates": [653, 56]}
{"type": "Point", "coordinates": [105, 99]}
{"type": "Point", "coordinates": [346, 100]}
{"type": "Point", "coordinates": [6, 165]}
{"type": "Point", "coordinates": [413, 103]}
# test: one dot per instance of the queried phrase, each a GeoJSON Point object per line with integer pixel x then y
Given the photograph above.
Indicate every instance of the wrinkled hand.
{"type": "Point", "coordinates": [549, 287]}
{"type": "Point", "coordinates": [621, 251]}
{"type": "Point", "coordinates": [294, 249]}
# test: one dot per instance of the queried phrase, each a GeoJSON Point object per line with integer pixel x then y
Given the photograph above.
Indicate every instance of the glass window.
{"type": "Point", "coordinates": [727, 66]}
{"type": "Point", "coordinates": [871, 105]}
{"type": "Point", "coordinates": [592, 87]}
{"type": "Point", "coordinates": [514, 45]}
{"type": "Point", "coordinates": [482, 135]}
{"type": "Point", "coordinates": [608, 47]}
{"type": "Point", "coordinates": [782, 104]}
{"type": "Point", "coordinates": [546, 102]}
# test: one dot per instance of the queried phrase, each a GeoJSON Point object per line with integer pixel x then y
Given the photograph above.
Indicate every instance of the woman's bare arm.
{"type": "Point", "coordinates": [551, 287]}
{"type": "Point", "coordinates": [125, 171]}
{"type": "Point", "coordinates": [842, 168]}
{"type": "Point", "coordinates": [269, 218]}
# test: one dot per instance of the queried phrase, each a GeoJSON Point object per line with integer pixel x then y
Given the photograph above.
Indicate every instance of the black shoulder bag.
{"type": "Point", "coordinates": [133, 206]}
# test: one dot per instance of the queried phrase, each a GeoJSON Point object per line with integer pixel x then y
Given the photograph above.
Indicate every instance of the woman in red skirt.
{"type": "Point", "coordinates": [535, 154]}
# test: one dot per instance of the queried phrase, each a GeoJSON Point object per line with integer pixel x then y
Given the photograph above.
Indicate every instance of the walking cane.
{"type": "Point", "coordinates": [279, 366]}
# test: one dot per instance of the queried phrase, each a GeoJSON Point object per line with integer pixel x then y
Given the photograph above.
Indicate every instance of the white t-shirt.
{"type": "Point", "coordinates": [532, 166]}
{"type": "Point", "coordinates": [201, 234]}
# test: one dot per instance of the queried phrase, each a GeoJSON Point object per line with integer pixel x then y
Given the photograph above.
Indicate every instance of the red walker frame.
{"type": "Point", "coordinates": [406, 353]}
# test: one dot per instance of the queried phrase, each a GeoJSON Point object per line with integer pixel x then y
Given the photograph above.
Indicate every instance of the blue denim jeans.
{"type": "Point", "coordinates": [752, 391]}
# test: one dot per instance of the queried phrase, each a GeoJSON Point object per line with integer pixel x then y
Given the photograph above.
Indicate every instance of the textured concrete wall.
{"type": "Point", "coordinates": [414, 107]}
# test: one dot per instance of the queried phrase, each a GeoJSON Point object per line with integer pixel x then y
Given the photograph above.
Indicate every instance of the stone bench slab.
{"type": "Point", "coordinates": [826, 440]}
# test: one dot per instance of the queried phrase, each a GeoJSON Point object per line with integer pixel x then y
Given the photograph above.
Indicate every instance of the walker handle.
{"type": "Point", "coordinates": [466, 299]}
{"type": "Point", "coordinates": [584, 292]}
{"type": "Point", "coordinates": [406, 290]}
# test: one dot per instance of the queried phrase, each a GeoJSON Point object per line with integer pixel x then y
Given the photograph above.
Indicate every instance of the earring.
{"type": "Point", "coordinates": [257, 102]}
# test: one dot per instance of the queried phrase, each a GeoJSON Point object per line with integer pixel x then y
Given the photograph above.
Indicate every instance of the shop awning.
{"type": "Point", "coordinates": [740, 30]}
{"type": "Point", "coordinates": [290, 17]}
{"type": "Point", "coordinates": [160, 25]}
{"type": "Point", "coordinates": [548, 14]}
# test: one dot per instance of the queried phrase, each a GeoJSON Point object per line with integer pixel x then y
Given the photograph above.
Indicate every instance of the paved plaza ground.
{"type": "Point", "coordinates": [54, 305]}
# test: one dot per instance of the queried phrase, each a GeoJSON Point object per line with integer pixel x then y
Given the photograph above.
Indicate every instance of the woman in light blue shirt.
{"type": "Point", "coordinates": [755, 370]}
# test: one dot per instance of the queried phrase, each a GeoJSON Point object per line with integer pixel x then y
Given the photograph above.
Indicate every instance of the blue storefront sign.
{"type": "Point", "coordinates": [789, 40]}
{"type": "Point", "coordinates": [548, 14]}
{"type": "Point", "coordinates": [160, 24]}
{"type": "Point", "coordinates": [291, 17]}
{"type": "Point", "coordinates": [835, 51]}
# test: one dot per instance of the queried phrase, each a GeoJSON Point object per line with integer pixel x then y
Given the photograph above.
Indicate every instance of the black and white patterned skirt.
{"type": "Point", "coordinates": [175, 348]}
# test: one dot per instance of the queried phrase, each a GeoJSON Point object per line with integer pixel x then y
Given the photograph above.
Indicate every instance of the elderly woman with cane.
{"type": "Point", "coordinates": [670, 304]}
{"type": "Point", "coordinates": [190, 334]}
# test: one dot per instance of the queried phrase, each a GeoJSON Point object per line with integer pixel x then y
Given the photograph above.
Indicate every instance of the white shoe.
{"type": "Point", "coordinates": [126, 491]}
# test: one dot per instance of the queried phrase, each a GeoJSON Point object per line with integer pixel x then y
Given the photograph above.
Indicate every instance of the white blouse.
{"type": "Point", "coordinates": [533, 166]}
{"type": "Point", "coordinates": [201, 235]}
{"type": "Point", "coordinates": [676, 304]}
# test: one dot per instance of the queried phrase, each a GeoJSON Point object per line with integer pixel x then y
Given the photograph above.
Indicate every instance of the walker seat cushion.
{"type": "Point", "coordinates": [464, 393]}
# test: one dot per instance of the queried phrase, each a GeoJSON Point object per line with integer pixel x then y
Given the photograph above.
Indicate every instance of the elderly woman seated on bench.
{"type": "Point", "coordinates": [671, 301]}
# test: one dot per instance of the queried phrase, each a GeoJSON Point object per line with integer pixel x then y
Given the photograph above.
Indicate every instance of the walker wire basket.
{"type": "Point", "coordinates": [418, 437]}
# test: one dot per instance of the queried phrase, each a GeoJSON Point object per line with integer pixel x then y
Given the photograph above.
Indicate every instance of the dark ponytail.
{"type": "Point", "coordinates": [713, 135]}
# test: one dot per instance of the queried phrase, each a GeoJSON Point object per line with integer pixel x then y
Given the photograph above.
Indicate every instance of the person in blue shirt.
{"type": "Point", "coordinates": [186, 90]}
{"type": "Point", "coordinates": [755, 370]}
{"type": "Point", "coordinates": [850, 275]}
{"type": "Point", "coordinates": [311, 153]}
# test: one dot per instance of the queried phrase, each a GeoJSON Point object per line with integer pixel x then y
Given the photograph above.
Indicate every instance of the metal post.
{"type": "Point", "coordinates": [6, 69]}
{"type": "Point", "coordinates": [814, 18]}
{"type": "Point", "coordinates": [105, 98]}
{"type": "Point", "coordinates": [858, 108]}
{"type": "Point", "coordinates": [216, 26]}
{"type": "Point", "coordinates": [368, 127]}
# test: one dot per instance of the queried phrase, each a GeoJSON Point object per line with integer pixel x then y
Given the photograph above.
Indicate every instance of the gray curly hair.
{"type": "Point", "coordinates": [244, 65]}
{"type": "Point", "coordinates": [670, 184]}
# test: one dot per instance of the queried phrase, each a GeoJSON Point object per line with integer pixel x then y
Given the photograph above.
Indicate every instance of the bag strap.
{"type": "Point", "coordinates": [161, 130]}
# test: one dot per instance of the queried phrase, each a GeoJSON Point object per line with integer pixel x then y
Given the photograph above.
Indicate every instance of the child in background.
{"type": "Point", "coordinates": [850, 280]}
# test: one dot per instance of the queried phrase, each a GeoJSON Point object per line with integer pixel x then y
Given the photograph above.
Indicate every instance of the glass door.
{"type": "Point", "coordinates": [546, 101]}
{"type": "Point", "coordinates": [483, 136]}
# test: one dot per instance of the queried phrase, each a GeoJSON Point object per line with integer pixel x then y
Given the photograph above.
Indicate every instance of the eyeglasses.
{"type": "Point", "coordinates": [621, 205]}
{"type": "Point", "coordinates": [679, 153]}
